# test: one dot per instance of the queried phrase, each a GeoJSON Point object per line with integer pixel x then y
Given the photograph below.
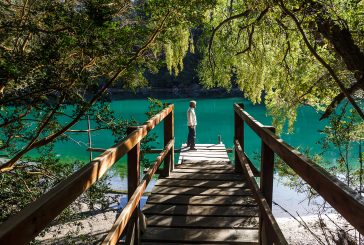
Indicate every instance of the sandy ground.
{"type": "Point", "coordinates": [93, 227]}
{"type": "Point", "coordinates": [295, 233]}
{"type": "Point", "coordinates": [97, 225]}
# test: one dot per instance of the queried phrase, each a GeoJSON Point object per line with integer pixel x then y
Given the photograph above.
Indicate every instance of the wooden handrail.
{"type": "Point", "coordinates": [265, 209]}
{"type": "Point", "coordinates": [120, 223]}
{"type": "Point", "coordinates": [349, 203]}
{"type": "Point", "coordinates": [37, 215]}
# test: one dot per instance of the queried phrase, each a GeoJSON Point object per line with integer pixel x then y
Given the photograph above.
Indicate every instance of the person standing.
{"type": "Point", "coordinates": [191, 123]}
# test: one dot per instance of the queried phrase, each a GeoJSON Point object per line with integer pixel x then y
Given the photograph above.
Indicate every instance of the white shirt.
{"type": "Point", "coordinates": [191, 117]}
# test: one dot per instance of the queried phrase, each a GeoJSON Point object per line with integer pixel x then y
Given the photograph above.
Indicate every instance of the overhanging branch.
{"type": "Point", "coordinates": [10, 164]}
{"type": "Point", "coordinates": [321, 60]}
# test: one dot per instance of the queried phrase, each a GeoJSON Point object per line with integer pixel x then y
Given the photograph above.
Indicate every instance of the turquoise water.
{"type": "Point", "coordinates": [214, 116]}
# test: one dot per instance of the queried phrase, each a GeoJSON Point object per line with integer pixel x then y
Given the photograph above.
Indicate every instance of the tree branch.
{"type": "Point", "coordinates": [250, 41]}
{"type": "Point", "coordinates": [9, 165]}
{"type": "Point", "coordinates": [338, 98]}
{"type": "Point", "coordinates": [15, 119]}
{"type": "Point", "coordinates": [321, 60]}
{"type": "Point", "coordinates": [237, 16]}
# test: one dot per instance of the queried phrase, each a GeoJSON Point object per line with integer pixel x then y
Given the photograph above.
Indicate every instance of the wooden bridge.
{"type": "Point", "coordinates": [203, 200]}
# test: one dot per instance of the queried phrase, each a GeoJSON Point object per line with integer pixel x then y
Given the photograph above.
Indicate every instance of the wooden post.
{"type": "Point", "coordinates": [133, 232]}
{"type": "Point", "coordinates": [238, 135]}
{"type": "Point", "coordinates": [168, 135]}
{"type": "Point", "coordinates": [266, 186]}
{"type": "Point", "coordinates": [89, 136]}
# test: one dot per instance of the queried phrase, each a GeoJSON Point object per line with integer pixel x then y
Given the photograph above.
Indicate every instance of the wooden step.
{"type": "Point", "coordinates": [204, 171]}
{"type": "Point", "coordinates": [202, 200]}
{"type": "Point", "coordinates": [202, 191]}
{"type": "Point", "coordinates": [205, 166]}
{"type": "Point", "coordinates": [203, 222]}
{"type": "Point", "coordinates": [205, 210]}
{"type": "Point", "coordinates": [212, 236]}
{"type": "Point", "coordinates": [202, 183]}
{"type": "Point", "coordinates": [203, 176]}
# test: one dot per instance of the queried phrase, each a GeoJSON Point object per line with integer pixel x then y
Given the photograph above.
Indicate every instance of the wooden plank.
{"type": "Point", "coordinates": [205, 166]}
{"type": "Point", "coordinates": [348, 202]}
{"type": "Point", "coordinates": [203, 176]}
{"type": "Point", "coordinates": [202, 191]}
{"type": "Point", "coordinates": [197, 156]}
{"type": "Point", "coordinates": [171, 243]}
{"type": "Point", "coordinates": [202, 200]}
{"type": "Point", "coordinates": [208, 146]}
{"type": "Point", "coordinates": [230, 236]}
{"type": "Point", "coordinates": [204, 171]}
{"type": "Point", "coordinates": [205, 210]}
{"type": "Point", "coordinates": [209, 162]}
{"type": "Point", "coordinates": [200, 149]}
{"type": "Point", "coordinates": [202, 183]}
{"type": "Point", "coordinates": [203, 222]}
{"type": "Point", "coordinates": [221, 152]}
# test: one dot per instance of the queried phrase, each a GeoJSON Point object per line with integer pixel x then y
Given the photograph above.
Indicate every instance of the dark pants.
{"type": "Point", "coordinates": [191, 137]}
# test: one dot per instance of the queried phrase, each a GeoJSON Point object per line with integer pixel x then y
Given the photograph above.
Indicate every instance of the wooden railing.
{"type": "Point", "coordinates": [24, 227]}
{"type": "Point", "coordinates": [349, 203]}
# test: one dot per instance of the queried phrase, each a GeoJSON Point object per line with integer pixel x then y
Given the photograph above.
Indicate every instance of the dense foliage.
{"type": "Point", "coordinates": [58, 53]}
{"type": "Point", "coordinates": [288, 52]}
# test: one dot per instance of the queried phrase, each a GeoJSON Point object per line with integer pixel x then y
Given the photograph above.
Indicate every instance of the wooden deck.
{"type": "Point", "coordinates": [202, 201]}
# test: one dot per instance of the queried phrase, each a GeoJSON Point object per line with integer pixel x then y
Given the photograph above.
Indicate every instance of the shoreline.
{"type": "Point", "coordinates": [175, 93]}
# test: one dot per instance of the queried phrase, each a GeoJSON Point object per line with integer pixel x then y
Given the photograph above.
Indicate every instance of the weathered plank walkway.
{"type": "Point", "coordinates": [202, 201]}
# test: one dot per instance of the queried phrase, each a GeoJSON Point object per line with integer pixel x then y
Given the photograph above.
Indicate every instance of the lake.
{"type": "Point", "coordinates": [215, 117]}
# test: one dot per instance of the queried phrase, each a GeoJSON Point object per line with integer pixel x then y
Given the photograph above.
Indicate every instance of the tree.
{"type": "Point", "coordinates": [60, 54]}
{"type": "Point", "coordinates": [292, 52]}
